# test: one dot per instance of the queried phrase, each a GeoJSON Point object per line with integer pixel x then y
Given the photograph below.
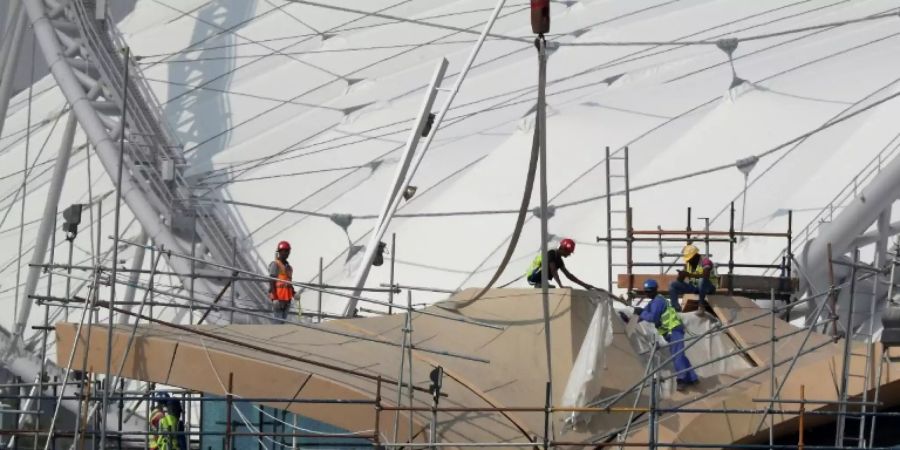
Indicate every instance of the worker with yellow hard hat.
{"type": "Point", "coordinates": [698, 277]}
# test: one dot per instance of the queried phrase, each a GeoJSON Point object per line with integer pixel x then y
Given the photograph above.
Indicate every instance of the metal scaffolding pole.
{"type": "Point", "coordinates": [545, 268]}
{"type": "Point", "coordinates": [845, 364]}
{"type": "Point", "coordinates": [137, 263]}
{"type": "Point", "coordinates": [51, 205]}
{"type": "Point", "coordinates": [393, 201]}
{"type": "Point", "coordinates": [400, 177]}
{"type": "Point", "coordinates": [115, 262]}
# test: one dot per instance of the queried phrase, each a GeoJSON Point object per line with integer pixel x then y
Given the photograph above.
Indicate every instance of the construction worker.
{"type": "Point", "coordinates": [158, 400]}
{"type": "Point", "coordinates": [660, 313]}
{"type": "Point", "coordinates": [700, 274]}
{"type": "Point", "coordinates": [281, 292]}
{"type": "Point", "coordinates": [555, 264]}
{"type": "Point", "coordinates": [169, 438]}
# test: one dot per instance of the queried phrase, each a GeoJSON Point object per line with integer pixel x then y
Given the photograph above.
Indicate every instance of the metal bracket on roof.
{"type": "Point", "coordinates": [551, 211]}
{"type": "Point", "coordinates": [342, 220]}
{"type": "Point", "coordinates": [727, 45]}
{"type": "Point", "coordinates": [745, 165]}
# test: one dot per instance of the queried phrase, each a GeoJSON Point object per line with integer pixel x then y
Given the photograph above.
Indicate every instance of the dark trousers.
{"type": "Point", "coordinates": [678, 288]}
{"type": "Point", "coordinates": [682, 364]}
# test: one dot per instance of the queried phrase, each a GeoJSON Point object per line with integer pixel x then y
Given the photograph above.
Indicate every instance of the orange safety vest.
{"type": "Point", "coordinates": [284, 290]}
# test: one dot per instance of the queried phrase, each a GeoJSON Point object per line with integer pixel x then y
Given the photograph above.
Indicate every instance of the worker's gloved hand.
{"type": "Point", "coordinates": [638, 310]}
{"type": "Point", "coordinates": [623, 316]}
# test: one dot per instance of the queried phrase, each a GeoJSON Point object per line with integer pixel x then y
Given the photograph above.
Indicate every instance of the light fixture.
{"type": "Point", "coordinates": [409, 192]}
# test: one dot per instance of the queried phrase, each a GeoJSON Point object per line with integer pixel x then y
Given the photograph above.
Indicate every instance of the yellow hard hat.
{"type": "Point", "coordinates": [689, 251]}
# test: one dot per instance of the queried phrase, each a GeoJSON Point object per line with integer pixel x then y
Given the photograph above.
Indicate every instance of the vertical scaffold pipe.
{"type": "Point", "coordinates": [107, 385]}
{"type": "Point", "coordinates": [545, 269]}
{"type": "Point", "coordinates": [45, 230]}
{"type": "Point", "coordinates": [137, 262]}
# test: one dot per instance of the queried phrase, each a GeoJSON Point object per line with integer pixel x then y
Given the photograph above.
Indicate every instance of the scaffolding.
{"type": "Point", "coordinates": [88, 388]}
{"type": "Point", "coordinates": [33, 407]}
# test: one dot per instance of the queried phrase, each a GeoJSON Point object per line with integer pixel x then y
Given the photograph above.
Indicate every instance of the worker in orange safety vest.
{"type": "Point", "coordinates": [281, 291]}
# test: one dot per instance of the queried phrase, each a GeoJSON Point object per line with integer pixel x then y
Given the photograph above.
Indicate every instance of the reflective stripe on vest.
{"type": "Point", "coordinates": [669, 320]}
{"type": "Point", "coordinates": [284, 291]}
{"type": "Point", "coordinates": [698, 271]}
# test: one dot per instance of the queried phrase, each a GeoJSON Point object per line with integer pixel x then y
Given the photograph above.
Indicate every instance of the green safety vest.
{"type": "Point", "coordinates": [168, 427]}
{"type": "Point", "coordinates": [669, 320]}
{"type": "Point", "coordinates": [536, 264]}
{"type": "Point", "coordinates": [698, 270]}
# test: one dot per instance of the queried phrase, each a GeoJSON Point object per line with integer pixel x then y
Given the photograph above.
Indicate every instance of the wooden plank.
{"type": "Point", "coordinates": [748, 283]}
{"type": "Point", "coordinates": [734, 309]}
{"type": "Point", "coordinates": [730, 310]}
{"type": "Point", "coordinates": [639, 279]}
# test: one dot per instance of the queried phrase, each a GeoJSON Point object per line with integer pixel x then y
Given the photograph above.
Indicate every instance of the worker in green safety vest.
{"type": "Point", "coordinates": [169, 437]}
{"type": "Point", "coordinates": [668, 323]}
{"type": "Point", "coordinates": [555, 264]}
{"type": "Point", "coordinates": [159, 400]}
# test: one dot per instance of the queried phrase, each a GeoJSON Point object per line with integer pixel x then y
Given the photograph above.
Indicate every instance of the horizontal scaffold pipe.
{"type": "Point", "coordinates": [137, 200]}
{"type": "Point", "coordinates": [311, 286]}
{"type": "Point", "coordinates": [284, 321]}
{"type": "Point", "coordinates": [223, 277]}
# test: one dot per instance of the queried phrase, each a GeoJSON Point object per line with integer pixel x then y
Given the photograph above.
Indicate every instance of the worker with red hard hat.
{"type": "Point", "coordinates": [281, 291]}
{"type": "Point", "coordinates": [555, 263]}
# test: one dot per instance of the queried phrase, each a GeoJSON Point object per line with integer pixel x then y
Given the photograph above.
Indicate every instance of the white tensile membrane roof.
{"type": "Point", "coordinates": [306, 105]}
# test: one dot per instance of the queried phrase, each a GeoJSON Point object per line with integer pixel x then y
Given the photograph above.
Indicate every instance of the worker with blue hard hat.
{"type": "Point", "coordinates": [660, 313]}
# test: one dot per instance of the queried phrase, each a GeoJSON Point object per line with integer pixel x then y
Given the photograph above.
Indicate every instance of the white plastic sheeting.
{"type": "Point", "coordinates": [715, 345]}
{"type": "Point", "coordinates": [585, 379]}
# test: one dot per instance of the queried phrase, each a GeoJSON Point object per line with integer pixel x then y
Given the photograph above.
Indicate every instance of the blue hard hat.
{"type": "Point", "coordinates": [650, 285]}
{"type": "Point", "coordinates": [160, 397]}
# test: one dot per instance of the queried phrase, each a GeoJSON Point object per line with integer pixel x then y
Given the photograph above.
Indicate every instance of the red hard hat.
{"type": "Point", "coordinates": [284, 245]}
{"type": "Point", "coordinates": [568, 245]}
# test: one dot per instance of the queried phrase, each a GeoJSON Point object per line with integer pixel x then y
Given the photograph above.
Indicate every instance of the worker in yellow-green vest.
{"type": "Point", "coordinates": [698, 277]}
{"type": "Point", "coordinates": [555, 264]}
{"type": "Point", "coordinates": [660, 313]}
{"type": "Point", "coordinates": [170, 434]}
{"type": "Point", "coordinates": [159, 400]}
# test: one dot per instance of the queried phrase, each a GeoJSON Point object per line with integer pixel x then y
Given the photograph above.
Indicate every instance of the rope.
{"type": "Point", "coordinates": [582, 201]}
{"type": "Point", "coordinates": [599, 43]}
{"type": "Point", "coordinates": [737, 39]}
{"type": "Point", "coordinates": [800, 140]}
{"type": "Point", "coordinates": [293, 147]}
